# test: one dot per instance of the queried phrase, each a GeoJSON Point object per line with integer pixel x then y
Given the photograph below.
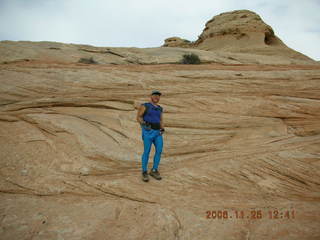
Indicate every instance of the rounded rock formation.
{"type": "Point", "coordinates": [176, 42]}
{"type": "Point", "coordinates": [235, 30]}
{"type": "Point", "coordinates": [240, 32]}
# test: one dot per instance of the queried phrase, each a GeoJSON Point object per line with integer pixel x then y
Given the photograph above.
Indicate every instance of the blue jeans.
{"type": "Point", "coordinates": [149, 137]}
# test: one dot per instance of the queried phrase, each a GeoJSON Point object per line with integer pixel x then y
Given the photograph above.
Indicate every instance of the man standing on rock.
{"type": "Point", "coordinates": [150, 118]}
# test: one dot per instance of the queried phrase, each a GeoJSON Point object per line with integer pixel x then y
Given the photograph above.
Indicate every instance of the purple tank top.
{"type": "Point", "coordinates": [153, 113]}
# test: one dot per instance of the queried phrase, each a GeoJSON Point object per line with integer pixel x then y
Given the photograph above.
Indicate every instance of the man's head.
{"type": "Point", "coordinates": [155, 96]}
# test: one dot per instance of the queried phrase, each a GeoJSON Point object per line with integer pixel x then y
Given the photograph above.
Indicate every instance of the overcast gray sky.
{"type": "Point", "coordinates": [146, 23]}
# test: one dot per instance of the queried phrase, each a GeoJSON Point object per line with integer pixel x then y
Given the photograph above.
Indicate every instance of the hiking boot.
{"type": "Point", "coordinates": [155, 174]}
{"type": "Point", "coordinates": [145, 176]}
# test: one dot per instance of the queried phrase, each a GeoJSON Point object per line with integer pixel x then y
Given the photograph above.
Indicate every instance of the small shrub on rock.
{"type": "Point", "coordinates": [190, 59]}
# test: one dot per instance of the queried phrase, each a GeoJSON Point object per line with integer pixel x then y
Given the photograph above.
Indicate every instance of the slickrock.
{"type": "Point", "coordinates": [241, 141]}
{"type": "Point", "coordinates": [176, 42]}
{"type": "Point", "coordinates": [246, 37]}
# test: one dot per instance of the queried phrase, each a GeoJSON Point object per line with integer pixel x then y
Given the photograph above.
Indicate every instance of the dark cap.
{"type": "Point", "coordinates": [156, 92]}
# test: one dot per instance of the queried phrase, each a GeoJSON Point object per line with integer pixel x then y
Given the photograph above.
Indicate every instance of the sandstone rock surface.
{"type": "Point", "coordinates": [238, 138]}
{"type": "Point", "coordinates": [242, 138]}
{"type": "Point", "coordinates": [176, 42]}
{"type": "Point", "coordinates": [241, 32]}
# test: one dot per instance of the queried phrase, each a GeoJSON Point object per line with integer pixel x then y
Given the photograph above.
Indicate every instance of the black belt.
{"type": "Point", "coordinates": [155, 126]}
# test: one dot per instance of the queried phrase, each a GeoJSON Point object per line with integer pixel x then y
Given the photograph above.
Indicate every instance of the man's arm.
{"type": "Point", "coordinates": [141, 110]}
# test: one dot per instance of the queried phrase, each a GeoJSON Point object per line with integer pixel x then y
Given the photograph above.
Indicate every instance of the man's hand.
{"type": "Point", "coordinates": [161, 131]}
